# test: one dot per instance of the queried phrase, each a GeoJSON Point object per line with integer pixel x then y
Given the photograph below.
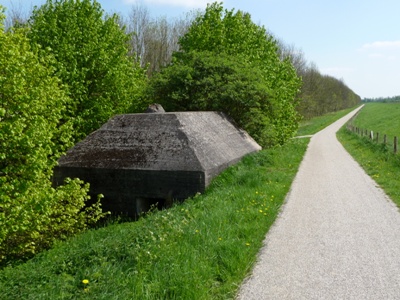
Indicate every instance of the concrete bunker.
{"type": "Point", "coordinates": [137, 160]}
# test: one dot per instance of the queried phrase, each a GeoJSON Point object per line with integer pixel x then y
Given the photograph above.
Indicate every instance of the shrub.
{"type": "Point", "coordinates": [33, 213]}
{"type": "Point", "coordinates": [91, 59]}
{"type": "Point", "coordinates": [227, 62]}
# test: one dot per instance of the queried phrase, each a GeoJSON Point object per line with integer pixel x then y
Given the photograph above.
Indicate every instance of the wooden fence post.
{"type": "Point", "coordinates": [377, 137]}
{"type": "Point", "coordinates": [371, 135]}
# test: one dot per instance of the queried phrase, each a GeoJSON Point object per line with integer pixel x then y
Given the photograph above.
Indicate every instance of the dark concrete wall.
{"type": "Point", "coordinates": [123, 187]}
{"type": "Point", "coordinates": [136, 159]}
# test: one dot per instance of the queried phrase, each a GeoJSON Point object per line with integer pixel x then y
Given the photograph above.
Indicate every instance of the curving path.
{"type": "Point", "coordinates": [338, 235]}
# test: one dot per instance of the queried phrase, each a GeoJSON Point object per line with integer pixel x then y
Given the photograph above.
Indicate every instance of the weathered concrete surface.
{"type": "Point", "coordinates": [136, 158]}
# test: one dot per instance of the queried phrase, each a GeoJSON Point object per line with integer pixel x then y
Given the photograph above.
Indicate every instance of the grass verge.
{"type": "Point", "coordinates": [376, 159]}
{"type": "Point", "coordinates": [200, 249]}
{"type": "Point", "coordinates": [312, 126]}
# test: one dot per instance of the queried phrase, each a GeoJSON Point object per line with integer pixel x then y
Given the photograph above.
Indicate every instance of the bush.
{"type": "Point", "coordinates": [32, 213]}
{"type": "Point", "coordinates": [91, 59]}
{"type": "Point", "coordinates": [202, 81]}
{"type": "Point", "coordinates": [227, 62]}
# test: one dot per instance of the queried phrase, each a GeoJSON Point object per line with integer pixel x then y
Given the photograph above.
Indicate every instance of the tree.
{"type": "Point", "coordinates": [321, 94]}
{"type": "Point", "coordinates": [154, 40]}
{"type": "Point", "coordinates": [202, 81]}
{"type": "Point", "coordinates": [33, 214]}
{"type": "Point", "coordinates": [243, 47]}
{"type": "Point", "coordinates": [91, 59]}
{"type": "Point", "coordinates": [16, 16]}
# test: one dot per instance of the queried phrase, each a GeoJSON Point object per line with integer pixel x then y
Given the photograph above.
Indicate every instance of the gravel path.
{"type": "Point", "coordinates": [337, 237]}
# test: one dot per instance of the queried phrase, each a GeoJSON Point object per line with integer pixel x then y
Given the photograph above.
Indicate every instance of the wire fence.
{"type": "Point", "coordinates": [377, 137]}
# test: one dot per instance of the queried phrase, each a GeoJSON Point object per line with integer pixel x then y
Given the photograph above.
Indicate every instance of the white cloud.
{"type": "Point", "coordinates": [182, 3]}
{"type": "Point", "coordinates": [382, 45]}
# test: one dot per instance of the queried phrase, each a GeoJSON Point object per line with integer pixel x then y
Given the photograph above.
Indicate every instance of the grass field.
{"type": "Point", "coordinates": [200, 249]}
{"type": "Point", "coordinates": [378, 160]}
{"type": "Point", "coordinates": [380, 117]}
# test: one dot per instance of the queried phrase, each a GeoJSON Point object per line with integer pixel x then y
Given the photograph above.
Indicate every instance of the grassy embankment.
{"type": "Point", "coordinates": [308, 127]}
{"type": "Point", "coordinates": [200, 249]}
{"type": "Point", "coordinates": [378, 160]}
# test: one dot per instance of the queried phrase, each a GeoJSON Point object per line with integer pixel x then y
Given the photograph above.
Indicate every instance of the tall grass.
{"type": "Point", "coordinates": [200, 249]}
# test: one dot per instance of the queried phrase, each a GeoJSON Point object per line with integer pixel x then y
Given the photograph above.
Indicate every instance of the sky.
{"type": "Point", "coordinates": [357, 41]}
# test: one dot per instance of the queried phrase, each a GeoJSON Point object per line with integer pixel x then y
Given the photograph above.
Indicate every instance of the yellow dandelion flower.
{"type": "Point", "coordinates": [247, 244]}
{"type": "Point", "coordinates": [85, 281]}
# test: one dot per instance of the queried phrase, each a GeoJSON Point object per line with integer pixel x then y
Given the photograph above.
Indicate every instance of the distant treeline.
{"type": "Point", "coordinates": [382, 99]}
{"type": "Point", "coordinates": [156, 39]}
{"type": "Point", "coordinates": [153, 40]}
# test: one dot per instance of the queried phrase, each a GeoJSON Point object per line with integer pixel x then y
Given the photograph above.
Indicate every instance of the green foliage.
{"type": "Point", "coordinates": [32, 213]}
{"type": "Point", "coordinates": [382, 99]}
{"type": "Point", "coordinates": [223, 56]}
{"type": "Point", "coordinates": [91, 59]}
{"type": "Point", "coordinates": [200, 249]}
{"type": "Point", "coordinates": [322, 94]}
{"type": "Point", "coordinates": [203, 81]}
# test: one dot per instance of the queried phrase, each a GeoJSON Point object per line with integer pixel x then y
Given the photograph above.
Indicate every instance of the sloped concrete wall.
{"type": "Point", "coordinates": [138, 159]}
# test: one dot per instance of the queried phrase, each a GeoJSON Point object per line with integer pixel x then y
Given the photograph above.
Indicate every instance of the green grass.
{"type": "Point", "coordinates": [380, 117]}
{"type": "Point", "coordinates": [378, 160]}
{"type": "Point", "coordinates": [309, 127]}
{"type": "Point", "coordinates": [200, 249]}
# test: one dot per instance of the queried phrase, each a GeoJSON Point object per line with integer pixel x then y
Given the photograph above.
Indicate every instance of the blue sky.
{"type": "Point", "coordinates": [354, 40]}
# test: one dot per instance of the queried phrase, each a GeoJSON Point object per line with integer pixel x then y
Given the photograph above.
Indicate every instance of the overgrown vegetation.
{"type": "Point", "coordinates": [200, 249]}
{"type": "Point", "coordinates": [91, 58]}
{"type": "Point", "coordinates": [69, 67]}
{"type": "Point", "coordinates": [319, 94]}
{"type": "Point", "coordinates": [228, 63]}
{"type": "Point", "coordinates": [33, 214]}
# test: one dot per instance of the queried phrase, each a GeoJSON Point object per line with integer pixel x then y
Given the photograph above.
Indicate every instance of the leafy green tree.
{"type": "Point", "coordinates": [321, 94]}
{"type": "Point", "coordinates": [202, 81]}
{"type": "Point", "coordinates": [33, 214]}
{"type": "Point", "coordinates": [91, 59]}
{"type": "Point", "coordinates": [241, 46]}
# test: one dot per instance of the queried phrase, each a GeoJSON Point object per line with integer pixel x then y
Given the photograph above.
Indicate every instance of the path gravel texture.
{"type": "Point", "coordinates": [337, 237]}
